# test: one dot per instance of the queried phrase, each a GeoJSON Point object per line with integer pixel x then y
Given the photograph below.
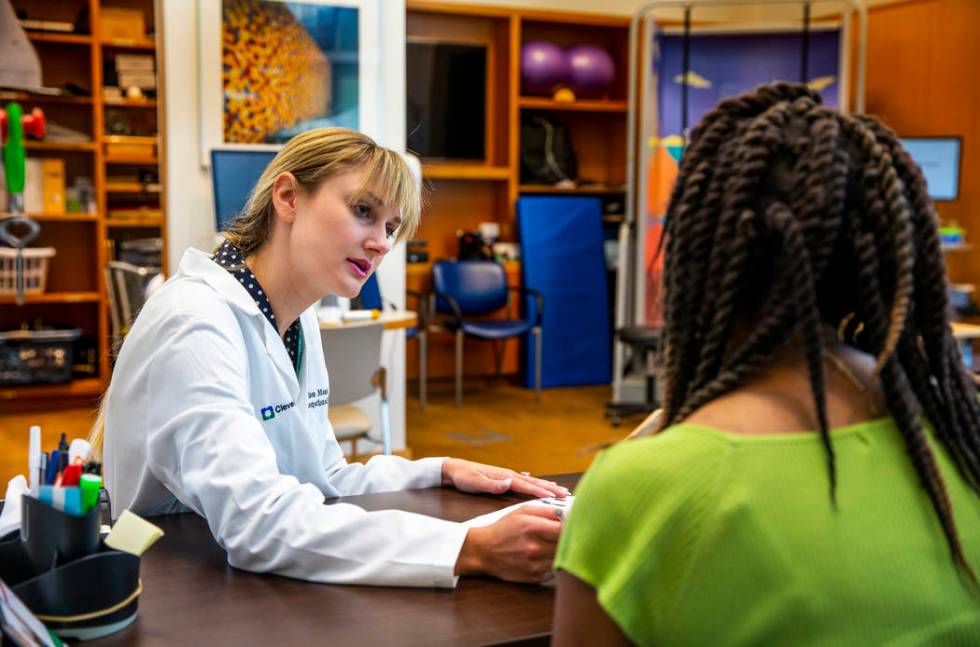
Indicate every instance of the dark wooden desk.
{"type": "Point", "coordinates": [192, 597]}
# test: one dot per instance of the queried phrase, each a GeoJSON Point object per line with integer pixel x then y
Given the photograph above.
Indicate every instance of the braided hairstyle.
{"type": "Point", "coordinates": [800, 217]}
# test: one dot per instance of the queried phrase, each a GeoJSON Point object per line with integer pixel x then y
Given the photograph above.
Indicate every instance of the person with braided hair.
{"type": "Point", "coordinates": [814, 474]}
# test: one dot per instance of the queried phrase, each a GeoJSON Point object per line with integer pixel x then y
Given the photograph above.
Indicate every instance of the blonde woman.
{"type": "Point", "coordinates": [209, 409]}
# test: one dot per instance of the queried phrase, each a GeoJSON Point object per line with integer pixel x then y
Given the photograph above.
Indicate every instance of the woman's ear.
{"type": "Point", "coordinates": [285, 191]}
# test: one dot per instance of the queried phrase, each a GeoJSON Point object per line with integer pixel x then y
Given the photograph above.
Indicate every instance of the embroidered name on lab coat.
{"type": "Point", "coordinates": [318, 398]}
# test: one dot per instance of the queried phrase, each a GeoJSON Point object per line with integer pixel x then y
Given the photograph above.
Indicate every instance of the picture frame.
{"type": "Point", "coordinates": [241, 54]}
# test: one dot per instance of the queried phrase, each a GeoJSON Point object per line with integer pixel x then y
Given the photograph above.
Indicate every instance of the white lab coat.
{"type": "Point", "coordinates": [198, 372]}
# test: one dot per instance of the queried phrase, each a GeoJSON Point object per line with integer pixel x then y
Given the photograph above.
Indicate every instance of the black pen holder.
{"type": "Point", "coordinates": [89, 591]}
{"type": "Point", "coordinates": [54, 538]}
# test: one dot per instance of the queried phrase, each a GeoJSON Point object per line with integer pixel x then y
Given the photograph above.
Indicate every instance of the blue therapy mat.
{"type": "Point", "coordinates": [562, 257]}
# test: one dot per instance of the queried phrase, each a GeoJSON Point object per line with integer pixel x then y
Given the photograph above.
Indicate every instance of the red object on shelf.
{"type": "Point", "coordinates": [34, 124]}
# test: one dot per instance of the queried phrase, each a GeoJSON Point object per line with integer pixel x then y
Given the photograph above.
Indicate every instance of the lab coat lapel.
{"type": "Point", "coordinates": [199, 264]}
{"type": "Point", "coordinates": [276, 349]}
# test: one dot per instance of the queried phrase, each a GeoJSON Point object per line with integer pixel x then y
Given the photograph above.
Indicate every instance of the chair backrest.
{"type": "Point", "coordinates": [126, 285]}
{"type": "Point", "coordinates": [478, 287]}
{"type": "Point", "coordinates": [353, 355]}
{"type": "Point", "coordinates": [370, 296]}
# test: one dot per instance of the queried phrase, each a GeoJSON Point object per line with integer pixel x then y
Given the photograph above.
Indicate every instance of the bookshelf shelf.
{"type": "Point", "coordinates": [55, 217]}
{"type": "Point", "coordinates": [580, 105]}
{"type": "Point", "coordinates": [56, 37]}
{"type": "Point", "coordinates": [131, 103]}
{"type": "Point", "coordinates": [131, 187]}
{"type": "Point", "coordinates": [129, 43]}
{"type": "Point", "coordinates": [64, 147]}
{"type": "Point", "coordinates": [53, 297]}
{"type": "Point", "coordinates": [465, 172]}
{"type": "Point", "coordinates": [133, 223]}
{"type": "Point", "coordinates": [34, 97]}
{"type": "Point", "coordinates": [87, 387]}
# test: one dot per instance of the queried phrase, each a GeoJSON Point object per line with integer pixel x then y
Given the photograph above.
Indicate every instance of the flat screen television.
{"type": "Point", "coordinates": [939, 159]}
{"type": "Point", "coordinates": [446, 113]}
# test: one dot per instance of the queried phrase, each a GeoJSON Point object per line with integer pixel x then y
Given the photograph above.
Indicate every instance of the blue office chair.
{"type": "Point", "coordinates": [370, 299]}
{"type": "Point", "coordinates": [471, 288]}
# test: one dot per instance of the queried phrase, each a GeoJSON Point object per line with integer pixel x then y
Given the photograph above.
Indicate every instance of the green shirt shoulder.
{"type": "Point", "coordinates": [697, 536]}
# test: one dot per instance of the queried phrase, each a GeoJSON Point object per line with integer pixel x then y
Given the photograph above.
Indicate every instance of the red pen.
{"type": "Point", "coordinates": [71, 475]}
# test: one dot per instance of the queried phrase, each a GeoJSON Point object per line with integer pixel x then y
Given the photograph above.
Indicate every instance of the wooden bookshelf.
{"type": "Point", "coordinates": [463, 194]}
{"type": "Point", "coordinates": [75, 290]}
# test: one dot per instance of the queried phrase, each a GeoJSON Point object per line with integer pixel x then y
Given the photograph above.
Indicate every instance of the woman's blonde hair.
{"type": "Point", "coordinates": [315, 156]}
{"type": "Point", "coordinates": [311, 158]}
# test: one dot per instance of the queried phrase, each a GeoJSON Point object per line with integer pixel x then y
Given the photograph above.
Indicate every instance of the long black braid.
{"type": "Point", "coordinates": [803, 217]}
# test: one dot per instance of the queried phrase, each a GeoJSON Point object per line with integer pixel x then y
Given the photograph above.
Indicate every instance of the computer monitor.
{"type": "Point", "coordinates": [939, 159]}
{"type": "Point", "coordinates": [233, 175]}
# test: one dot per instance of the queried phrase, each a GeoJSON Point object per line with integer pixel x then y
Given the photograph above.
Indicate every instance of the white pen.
{"type": "Point", "coordinates": [34, 460]}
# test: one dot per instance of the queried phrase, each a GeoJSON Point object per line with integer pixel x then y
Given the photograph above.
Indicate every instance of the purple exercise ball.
{"type": "Point", "coordinates": [543, 67]}
{"type": "Point", "coordinates": [591, 70]}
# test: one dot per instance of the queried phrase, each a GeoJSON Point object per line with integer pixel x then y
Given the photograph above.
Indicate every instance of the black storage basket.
{"type": "Point", "coordinates": [36, 356]}
{"type": "Point", "coordinates": [83, 599]}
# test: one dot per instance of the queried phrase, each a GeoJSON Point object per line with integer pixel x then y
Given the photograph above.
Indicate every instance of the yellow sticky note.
{"type": "Point", "coordinates": [132, 534]}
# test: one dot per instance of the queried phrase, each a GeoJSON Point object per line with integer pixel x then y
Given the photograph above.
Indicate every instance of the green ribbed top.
{"type": "Point", "coordinates": [701, 537]}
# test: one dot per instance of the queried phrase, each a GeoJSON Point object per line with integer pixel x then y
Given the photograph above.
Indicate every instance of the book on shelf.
{"type": "Point", "coordinates": [134, 63]}
{"type": "Point", "coordinates": [44, 185]}
{"type": "Point", "coordinates": [60, 26]}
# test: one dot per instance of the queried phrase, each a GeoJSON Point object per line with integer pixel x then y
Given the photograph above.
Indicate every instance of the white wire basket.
{"type": "Point", "coordinates": [35, 269]}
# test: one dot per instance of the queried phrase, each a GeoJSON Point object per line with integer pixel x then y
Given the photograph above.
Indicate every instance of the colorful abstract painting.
{"type": "Point", "coordinates": [287, 67]}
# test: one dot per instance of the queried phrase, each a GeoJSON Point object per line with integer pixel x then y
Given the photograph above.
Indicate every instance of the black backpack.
{"type": "Point", "coordinates": [547, 156]}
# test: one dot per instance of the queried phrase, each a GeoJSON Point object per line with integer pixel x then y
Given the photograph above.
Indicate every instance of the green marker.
{"type": "Point", "coordinates": [90, 485]}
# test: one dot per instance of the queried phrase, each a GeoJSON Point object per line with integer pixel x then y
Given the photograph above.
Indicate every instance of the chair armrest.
{"type": "Point", "coordinates": [538, 300]}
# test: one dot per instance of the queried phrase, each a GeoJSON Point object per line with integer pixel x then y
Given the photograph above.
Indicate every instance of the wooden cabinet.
{"type": "Point", "coordinates": [129, 189]}
{"type": "Point", "coordinates": [461, 195]}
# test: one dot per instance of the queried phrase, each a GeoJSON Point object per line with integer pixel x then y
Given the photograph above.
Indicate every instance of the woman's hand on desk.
{"type": "Point", "coordinates": [518, 548]}
{"type": "Point", "coordinates": [468, 476]}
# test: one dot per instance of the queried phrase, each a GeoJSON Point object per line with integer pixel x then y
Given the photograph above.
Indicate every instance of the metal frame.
{"type": "Point", "coordinates": [630, 287]}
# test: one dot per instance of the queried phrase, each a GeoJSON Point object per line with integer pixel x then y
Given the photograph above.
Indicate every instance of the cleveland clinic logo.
{"type": "Point", "coordinates": [269, 412]}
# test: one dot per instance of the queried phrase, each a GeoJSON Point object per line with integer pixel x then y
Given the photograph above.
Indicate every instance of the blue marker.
{"type": "Point", "coordinates": [53, 462]}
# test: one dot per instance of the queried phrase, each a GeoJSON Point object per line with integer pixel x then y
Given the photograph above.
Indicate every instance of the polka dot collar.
{"type": "Point", "coordinates": [230, 257]}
